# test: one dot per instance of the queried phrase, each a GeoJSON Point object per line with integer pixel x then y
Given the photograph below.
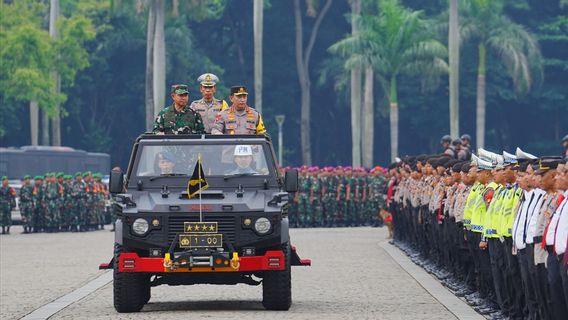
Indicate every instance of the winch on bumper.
{"type": "Point", "coordinates": [198, 262]}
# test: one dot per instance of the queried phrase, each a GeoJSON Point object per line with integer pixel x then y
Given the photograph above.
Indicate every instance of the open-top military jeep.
{"type": "Point", "coordinates": [234, 231]}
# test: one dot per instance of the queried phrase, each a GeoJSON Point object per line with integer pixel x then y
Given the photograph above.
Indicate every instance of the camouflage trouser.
{"type": "Point", "coordinates": [329, 210]}
{"type": "Point", "coordinates": [26, 211]}
{"type": "Point", "coordinates": [317, 213]}
{"type": "Point", "coordinates": [339, 217]}
{"type": "Point", "coordinates": [5, 216]}
{"type": "Point", "coordinates": [52, 215]}
{"type": "Point", "coordinates": [38, 217]}
{"type": "Point", "coordinates": [93, 215]}
{"type": "Point", "coordinates": [78, 213]}
{"type": "Point", "coordinates": [303, 210]}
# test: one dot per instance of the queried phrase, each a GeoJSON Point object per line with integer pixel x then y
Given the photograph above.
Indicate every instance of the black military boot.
{"type": "Point", "coordinates": [3, 230]}
{"type": "Point", "coordinates": [8, 230]}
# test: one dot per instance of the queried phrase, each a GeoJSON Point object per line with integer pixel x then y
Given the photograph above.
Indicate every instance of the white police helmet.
{"type": "Point", "coordinates": [243, 150]}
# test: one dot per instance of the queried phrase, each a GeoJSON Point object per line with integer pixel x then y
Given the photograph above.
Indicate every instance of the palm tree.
{"type": "Point", "coordinates": [454, 60]}
{"type": "Point", "coordinates": [395, 42]}
{"type": "Point", "coordinates": [518, 50]}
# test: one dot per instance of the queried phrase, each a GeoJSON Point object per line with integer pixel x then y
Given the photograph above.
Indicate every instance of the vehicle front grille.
{"type": "Point", "coordinates": [226, 225]}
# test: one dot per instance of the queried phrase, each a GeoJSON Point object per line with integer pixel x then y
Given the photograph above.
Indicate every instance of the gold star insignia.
{"type": "Point", "coordinates": [189, 228]}
{"type": "Point", "coordinates": [211, 228]}
{"type": "Point", "coordinates": [204, 228]}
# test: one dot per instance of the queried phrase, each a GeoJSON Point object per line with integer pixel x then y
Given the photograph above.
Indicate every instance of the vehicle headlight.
{"type": "Point", "coordinates": [140, 226]}
{"type": "Point", "coordinates": [262, 225]}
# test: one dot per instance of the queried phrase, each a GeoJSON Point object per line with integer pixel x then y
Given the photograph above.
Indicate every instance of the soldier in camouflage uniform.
{"type": "Point", "coordinates": [78, 194]}
{"type": "Point", "coordinates": [99, 200]}
{"type": "Point", "coordinates": [53, 193]}
{"type": "Point", "coordinates": [315, 218]}
{"type": "Point", "coordinates": [90, 214]}
{"type": "Point", "coordinates": [39, 204]}
{"type": "Point", "coordinates": [67, 212]}
{"type": "Point", "coordinates": [7, 203]}
{"type": "Point", "coordinates": [61, 225]}
{"type": "Point", "coordinates": [303, 197]}
{"type": "Point", "coordinates": [348, 182]}
{"type": "Point", "coordinates": [376, 190]}
{"type": "Point", "coordinates": [26, 204]}
{"type": "Point", "coordinates": [330, 195]}
{"type": "Point", "coordinates": [179, 118]}
{"type": "Point", "coordinates": [342, 195]}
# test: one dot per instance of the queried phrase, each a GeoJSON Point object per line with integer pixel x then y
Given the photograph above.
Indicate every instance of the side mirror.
{"type": "Point", "coordinates": [116, 183]}
{"type": "Point", "coordinates": [291, 181]}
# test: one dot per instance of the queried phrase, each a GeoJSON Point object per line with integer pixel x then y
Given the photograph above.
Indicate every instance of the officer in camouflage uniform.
{"type": "Point", "coordinates": [99, 200]}
{"type": "Point", "coordinates": [78, 196]}
{"type": "Point", "coordinates": [7, 203]}
{"type": "Point", "coordinates": [26, 204]}
{"type": "Point", "coordinates": [341, 199]}
{"type": "Point", "coordinates": [315, 217]}
{"type": "Point", "coordinates": [39, 204]}
{"type": "Point", "coordinates": [208, 107]}
{"type": "Point", "coordinates": [67, 212]}
{"type": "Point", "coordinates": [330, 197]}
{"type": "Point", "coordinates": [348, 182]}
{"type": "Point", "coordinates": [376, 187]}
{"type": "Point", "coordinates": [53, 193]}
{"type": "Point", "coordinates": [90, 214]}
{"type": "Point", "coordinates": [179, 118]}
{"type": "Point", "coordinates": [61, 225]}
{"type": "Point", "coordinates": [303, 197]}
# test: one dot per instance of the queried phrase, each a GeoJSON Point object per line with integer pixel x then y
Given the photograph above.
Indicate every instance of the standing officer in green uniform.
{"type": "Point", "coordinates": [67, 212]}
{"type": "Point", "coordinates": [62, 214]}
{"type": "Point", "coordinates": [179, 118]}
{"type": "Point", "coordinates": [26, 203]}
{"type": "Point", "coordinates": [343, 189]}
{"type": "Point", "coordinates": [348, 182]}
{"type": "Point", "coordinates": [208, 107]}
{"type": "Point", "coordinates": [99, 200]}
{"type": "Point", "coordinates": [79, 195]}
{"type": "Point", "coordinates": [39, 205]}
{"type": "Point", "coordinates": [330, 199]}
{"type": "Point", "coordinates": [90, 218]}
{"type": "Point", "coordinates": [376, 201]}
{"type": "Point", "coordinates": [303, 197]}
{"type": "Point", "coordinates": [53, 192]}
{"type": "Point", "coordinates": [240, 118]}
{"type": "Point", "coordinates": [7, 203]}
{"type": "Point", "coordinates": [315, 208]}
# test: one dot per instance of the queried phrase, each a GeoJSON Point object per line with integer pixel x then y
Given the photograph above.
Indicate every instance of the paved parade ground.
{"type": "Point", "coordinates": [355, 274]}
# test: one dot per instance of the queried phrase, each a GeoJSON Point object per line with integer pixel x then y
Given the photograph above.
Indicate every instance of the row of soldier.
{"type": "Point", "coordinates": [337, 197]}
{"type": "Point", "coordinates": [57, 202]}
{"type": "Point", "coordinates": [494, 230]}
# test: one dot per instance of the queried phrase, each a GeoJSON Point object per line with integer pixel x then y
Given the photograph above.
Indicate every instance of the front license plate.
{"type": "Point", "coordinates": [200, 240]}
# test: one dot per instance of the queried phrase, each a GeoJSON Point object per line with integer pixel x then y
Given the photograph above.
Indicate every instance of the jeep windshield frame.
{"type": "Point", "coordinates": [217, 181]}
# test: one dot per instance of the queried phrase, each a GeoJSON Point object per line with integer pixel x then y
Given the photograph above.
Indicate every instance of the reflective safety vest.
{"type": "Point", "coordinates": [509, 210]}
{"type": "Point", "coordinates": [493, 215]}
{"type": "Point", "coordinates": [480, 207]}
{"type": "Point", "coordinates": [470, 203]}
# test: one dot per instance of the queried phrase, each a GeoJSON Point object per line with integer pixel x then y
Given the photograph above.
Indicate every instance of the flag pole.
{"type": "Point", "coordinates": [199, 175]}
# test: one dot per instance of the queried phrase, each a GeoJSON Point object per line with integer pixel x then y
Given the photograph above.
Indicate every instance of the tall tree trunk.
{"type": "Point", "coordinates": [149, 83]}
{"type": "Point", "coordinates": [393, 99]}
{"type": "Point", "coordinates": [258, 30]}
{"type": "Point", "coordinates": [303, 66]}
{"type": "Point", "coordinates": [480, 103]}
{"type": "Point", "coordinates": [159, 59]}
{"type": "Point", "coordinates": [367, 137]}
{"type": "Point", "coordinates": [355, 98]}
{"type": "Point", "coordinates": [454, 57]}
{"type": "Point", "coordinates": [304, 86]}
{"type": "Point", "coordinates": [34, 122]}
{"type": "Point", "coordinates": [56, 120]}
{"type": "Point", "coordinates": [44, 128]}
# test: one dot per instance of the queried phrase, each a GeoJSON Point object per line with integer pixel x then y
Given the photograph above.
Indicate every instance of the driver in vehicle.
{"type": "Point", "coordinates": [243, 158]}
{"type": "Point", "coordinates": [165, 163]}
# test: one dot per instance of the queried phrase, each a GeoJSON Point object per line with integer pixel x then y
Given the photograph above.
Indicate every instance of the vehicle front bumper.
{"type": "Point", "coordinates": [132, 262]}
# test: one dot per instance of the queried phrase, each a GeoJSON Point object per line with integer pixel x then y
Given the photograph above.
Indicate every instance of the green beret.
{"type": "Point", "coordinates": [38, 178]}
{"type": "Point", "coordinates": [60, 174]}
{"type": "Point", "coordinates": [67, 177]}
{"type": "Point", "coordinates": [4, 178]}
{"type": "Point", "coordinates": [78, 174]}
{"type": "Point", "coordinates": [86, 174]}
{"type": "Point", "coordinates": [27, 176]}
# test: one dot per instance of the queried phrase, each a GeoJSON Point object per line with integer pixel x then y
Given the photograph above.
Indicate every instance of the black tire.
{"type": "Point", "coordinates": [131, 290]}
{"type": "Point", "coordinates": [277, 286]}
